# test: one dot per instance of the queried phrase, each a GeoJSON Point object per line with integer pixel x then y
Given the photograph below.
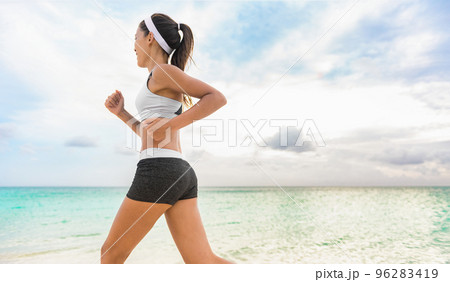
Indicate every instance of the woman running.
{"type": "Point", "coordinates": [164, 182]}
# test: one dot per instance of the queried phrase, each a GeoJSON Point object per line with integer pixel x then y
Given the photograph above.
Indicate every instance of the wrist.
{"type": "Point", "coordinates": [121, 113]}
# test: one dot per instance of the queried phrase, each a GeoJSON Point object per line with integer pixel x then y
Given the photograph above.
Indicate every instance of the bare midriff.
{"type": "Point", "coordinates": [171, 141]}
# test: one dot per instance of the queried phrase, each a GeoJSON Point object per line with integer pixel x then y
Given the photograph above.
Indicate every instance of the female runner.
{"type": "Point", "coordinates": [164, 182]}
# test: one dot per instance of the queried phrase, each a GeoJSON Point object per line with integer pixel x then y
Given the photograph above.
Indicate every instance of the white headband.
{"type": "Point", "coordinates": [151, 27]}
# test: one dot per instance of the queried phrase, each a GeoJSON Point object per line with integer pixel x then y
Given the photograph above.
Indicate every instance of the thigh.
{"type": "Point", "coordinates": [132, 222]}
{"type": "Point", "coordinates": [187, 230]}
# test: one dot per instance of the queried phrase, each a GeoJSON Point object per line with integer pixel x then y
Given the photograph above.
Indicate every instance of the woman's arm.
{"type": "Point", "coordinates": [171, 77]}
{"type": "Point", "coordinates": [208, 104]}
{"type": "Point", "coordinates": [115, 104]}
{"type": "Point", "coordinates": [130, 120]}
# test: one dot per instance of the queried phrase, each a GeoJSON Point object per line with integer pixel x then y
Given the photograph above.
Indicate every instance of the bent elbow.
{"type": "Point", "coordinates": [222, 100]}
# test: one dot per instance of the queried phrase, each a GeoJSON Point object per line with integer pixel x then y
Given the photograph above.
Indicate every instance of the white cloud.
{"type": "Point", "coordinates": [29, 149]}
{"type": "Point", "coordinates": [7, 131]}
{"type": "Point", "coordinates": [81, 141]}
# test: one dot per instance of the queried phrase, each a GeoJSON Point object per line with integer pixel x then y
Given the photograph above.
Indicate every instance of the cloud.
{"type": "Point", "coordinates": [196, 154]}
{"type": "Point", "coordinates": [374, 134]}
{"type": "Point", "coordinates": [403, 43]}
{"type": "Point", "coordinates": [288, 141]}
{"type": "Point", "coordinates": [6, 130]}
{"type": "Point", "coordinates": [29, 149]}
{"type": "Point", "coordinates": [401, 156]}
{"type": "Point", "coordinates": [434, 94]}
{"type": "Point", "coordinates": [413, 154]}
{"type": "Point", "coordinates": [121, 149]}
{"type": "Point", "coordinates": [393, 146]}
{"type": "Point", "coordinates": [80, 141]}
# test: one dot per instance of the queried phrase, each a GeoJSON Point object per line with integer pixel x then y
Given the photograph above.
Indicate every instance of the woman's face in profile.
{"type": "Point", "coordinates": [139, 44]}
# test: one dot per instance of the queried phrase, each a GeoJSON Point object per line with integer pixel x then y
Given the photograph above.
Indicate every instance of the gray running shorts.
{"type": "Point", "coordinates": [163, 180]}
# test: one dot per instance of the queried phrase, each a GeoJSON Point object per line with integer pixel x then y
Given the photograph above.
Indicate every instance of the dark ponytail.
{"type": "Point", "coordinates": [184, 46]}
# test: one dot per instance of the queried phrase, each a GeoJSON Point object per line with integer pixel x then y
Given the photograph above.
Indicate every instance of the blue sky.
{"type": "Point", "coordinates": [376, 86]}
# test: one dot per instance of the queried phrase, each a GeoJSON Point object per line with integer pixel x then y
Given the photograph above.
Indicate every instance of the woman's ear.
{"type": "Point", "coordinates": [150, 37]}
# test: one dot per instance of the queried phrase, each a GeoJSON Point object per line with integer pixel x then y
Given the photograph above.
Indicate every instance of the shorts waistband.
{"type": "Point", "coordinates": [159, 152]}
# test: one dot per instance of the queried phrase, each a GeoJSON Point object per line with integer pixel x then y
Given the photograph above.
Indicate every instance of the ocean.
{"type": "Point", "coordinates": [244, 224]}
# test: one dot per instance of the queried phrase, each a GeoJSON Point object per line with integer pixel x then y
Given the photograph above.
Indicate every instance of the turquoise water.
{"type": "Point", "coordinates": [243, 224]}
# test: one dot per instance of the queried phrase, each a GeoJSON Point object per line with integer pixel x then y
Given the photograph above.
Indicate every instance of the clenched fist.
{"type": "Point", "coordinates": [115, 102]}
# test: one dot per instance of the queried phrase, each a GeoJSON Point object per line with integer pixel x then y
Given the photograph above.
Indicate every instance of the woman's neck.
{"type": "Point", "coordinates": [157, 61]}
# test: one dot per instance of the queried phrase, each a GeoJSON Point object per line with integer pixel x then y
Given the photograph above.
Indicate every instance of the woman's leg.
{"type": "Point", "coordinates": [132, 222]}
{"type": "Point", "coordinates": [188, 232]}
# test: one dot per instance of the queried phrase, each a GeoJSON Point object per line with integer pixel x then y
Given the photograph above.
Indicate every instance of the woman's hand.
{"type": "Point", "coordinates": [115, 102]}
{"type": "Point", "coordinates": [158, 128]}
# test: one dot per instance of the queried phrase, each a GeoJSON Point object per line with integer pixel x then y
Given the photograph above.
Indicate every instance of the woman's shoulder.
{"type": "Point", "coordinates": [165, 73]}
{"type": "Point", "coordinates": [161, 68]}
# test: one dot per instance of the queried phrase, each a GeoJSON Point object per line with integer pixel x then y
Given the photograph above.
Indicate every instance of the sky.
{"type": "Point", "coordinates": [320, 93]}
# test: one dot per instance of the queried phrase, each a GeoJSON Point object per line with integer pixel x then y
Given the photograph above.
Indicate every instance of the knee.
{"type": "Point", "coordinates": [112, 255]}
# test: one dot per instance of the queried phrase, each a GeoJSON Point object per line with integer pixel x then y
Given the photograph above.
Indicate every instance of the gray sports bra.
{"type": "Point", "coordinates": [150, 104]}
